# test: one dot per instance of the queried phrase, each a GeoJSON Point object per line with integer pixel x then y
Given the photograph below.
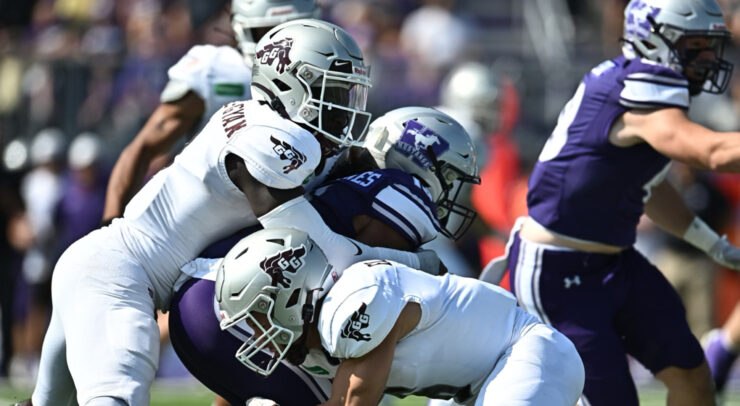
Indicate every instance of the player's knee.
{"type": "Point", "coordinates": [106, 401]}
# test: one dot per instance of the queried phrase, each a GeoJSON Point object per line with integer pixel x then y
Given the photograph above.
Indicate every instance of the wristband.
{"type": "Point", "coordinates": [700, 235]}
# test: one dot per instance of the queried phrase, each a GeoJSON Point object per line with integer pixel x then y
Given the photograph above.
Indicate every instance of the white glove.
{"type": "Point", "coordinates": [725, 253]}
{"type": "Point", "coordinates": [260, 402]}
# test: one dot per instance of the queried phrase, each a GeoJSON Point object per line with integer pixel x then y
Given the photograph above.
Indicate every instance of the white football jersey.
{"type": "Point", "coordinates": [465, 326]}
{"type": "Point", "coordinates": [193, 203]}
{"type": "Point", "coordinates": [218, 74]}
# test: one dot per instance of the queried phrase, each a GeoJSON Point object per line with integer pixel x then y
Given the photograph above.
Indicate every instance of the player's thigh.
{"type": "Point", "coordinates": [653, 320]}
{"type": "Point", "coordinates": [111, 335]}
{"type": "Point", "coordinates": [541, 368]}
{"type": "Point", "coordinates": [578, 294]}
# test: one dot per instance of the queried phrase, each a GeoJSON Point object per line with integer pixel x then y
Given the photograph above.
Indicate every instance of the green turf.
{"type": "Point", "coordinates": [193, 394]}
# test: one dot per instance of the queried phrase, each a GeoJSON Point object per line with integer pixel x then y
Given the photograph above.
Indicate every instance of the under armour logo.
{"type": "Point", "coordinates": [357, 322]}
{"type": "Point", "coordinates": [576, 280]}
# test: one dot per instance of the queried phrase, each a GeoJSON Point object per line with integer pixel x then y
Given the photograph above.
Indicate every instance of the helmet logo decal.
{"type": "Point", "coordinates": [357, 322]}
{"type": "Point", "coordinates": [637, 24]}
{"type": "Point", "coordinates": [415, 140]}
{"type": "Point", "coordinates": [276, 51]}
{"type": "Point", "coordinates": [286, 152]}
{"type": "Point", "coordinates": [289, 260]}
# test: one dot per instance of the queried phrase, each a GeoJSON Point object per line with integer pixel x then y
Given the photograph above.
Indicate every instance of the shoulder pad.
{"type": "Point", "coordinates": [189, 73]}
{"type": "Point", "coordinates": [278, 153]}
{"type": "Point", "coordinates": [649, 85]}
{"type": "Point", "coordinates": [360, 309]}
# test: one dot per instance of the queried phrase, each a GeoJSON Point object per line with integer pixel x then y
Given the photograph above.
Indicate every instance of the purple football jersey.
{"type": "Point", "coordinates": [582, 185]}
{"type": "Point", "coordinates": [389, 195]}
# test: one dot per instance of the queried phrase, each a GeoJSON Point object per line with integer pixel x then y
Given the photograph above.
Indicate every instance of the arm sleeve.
{"type": "Point", "coordinates": [407, 213]}
{"type": "Point", "coordinates": [645, 90]}
{"type": "Point", "coordinates": [340, 251]}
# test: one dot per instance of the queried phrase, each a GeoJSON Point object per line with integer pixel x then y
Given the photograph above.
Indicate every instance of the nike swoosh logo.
{"type": "Point", "coordinates": [359, 250]}
{"type": "Point", "coordinates": [341, 63]}
{"type": "Point", "coordinates": [463, 155]}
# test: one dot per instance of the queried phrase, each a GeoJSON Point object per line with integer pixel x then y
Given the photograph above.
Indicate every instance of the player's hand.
{"type": "Point", "coordinates": [725, 254]}
{"type": "Point", "coordinates": [430, 263]}
{"type": "Point", "coordinates": [260, 402]}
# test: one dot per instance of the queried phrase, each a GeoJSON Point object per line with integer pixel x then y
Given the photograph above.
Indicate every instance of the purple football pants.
{"type": "Point", "coordinates": [609, 306]}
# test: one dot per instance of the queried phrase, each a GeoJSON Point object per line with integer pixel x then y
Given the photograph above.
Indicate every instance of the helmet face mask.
{"type": "Point", "coordinates": [435, 148]}
{"type": "Point", "coordinates": [335, 106]}
{"type": "Point", "coordinates": [312, 72]}
{"type": "Point", "coordinates": [271, 280]}
{"type": "Point", "coordinates": [681, 34]}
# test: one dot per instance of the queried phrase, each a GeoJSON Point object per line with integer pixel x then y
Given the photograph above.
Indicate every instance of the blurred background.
{"type": "Point", "coordinates": [78, 79]}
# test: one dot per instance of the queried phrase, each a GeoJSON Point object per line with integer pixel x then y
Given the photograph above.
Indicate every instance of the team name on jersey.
{"type": "Point", "coordinates": [232, 118]}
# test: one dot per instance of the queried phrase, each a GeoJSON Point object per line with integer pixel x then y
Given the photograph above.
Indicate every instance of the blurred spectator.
{"type": "Point", "coordinates": [81, 204]}
{"type": "Point", "coordinates": [15, 237]}
{"type": "Point", "coordinates": [41, 189]}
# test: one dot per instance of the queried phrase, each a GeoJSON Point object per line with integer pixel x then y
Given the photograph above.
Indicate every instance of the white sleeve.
{"type": "Point", "coordinates": [340, 251]}
{"type": "Point", "coordinates": [360, 321]}
{"type": "Point", "coordinates": [646, 90]}
{"type": "Point", "coordinates": [190, 73]}
{"type": "Point", "coordinates": [275, 157]}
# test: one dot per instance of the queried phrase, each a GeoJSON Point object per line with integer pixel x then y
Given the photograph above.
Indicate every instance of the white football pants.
{"type": "Point", "coordinates": [103, 340]}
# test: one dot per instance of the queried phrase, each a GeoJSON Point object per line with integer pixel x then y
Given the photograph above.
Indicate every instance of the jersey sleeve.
{"type": "Point", "coordinates": [404, 206]}
{"type": "Point", "coordinates": [189, 74]}
{"type": "Point", "coordinates": [277, 158]}
{"type": "Point", "coordinates": [654, 86]}
{"type": "Point", "coordinates": [358, 313]}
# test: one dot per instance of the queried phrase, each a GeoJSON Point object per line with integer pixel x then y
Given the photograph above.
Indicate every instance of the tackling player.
{"type": "Point", "coordinates": [388, 207]}
{"type": "Point", "coordinates": [380, 327]}
{"type": "Point", "coordinates": [573, 262]}
{"type": "Point", "coordinates": [246, 165]}
{"type": "Point", "coordinates": [204, 80]}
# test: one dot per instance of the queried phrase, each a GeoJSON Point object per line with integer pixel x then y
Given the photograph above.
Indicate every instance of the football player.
{"type": "Point", "coordinates": [401, 206]}
{"type": "Point", "coordinates": [388, 328]}
{"type": "Point", "coordinates": [246, 166]}
{"type": "Point", "coordinates": [200, 83]}
{"type": "Point", "coordinates": [573, 262]}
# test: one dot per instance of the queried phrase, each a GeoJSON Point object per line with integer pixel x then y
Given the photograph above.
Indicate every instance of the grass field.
{"type": "Point", "coordinates": [193, 394]}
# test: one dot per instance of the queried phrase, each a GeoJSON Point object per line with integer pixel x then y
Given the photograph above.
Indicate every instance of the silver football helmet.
{"type": "Point", "coordinates": [248, 15]}
{"type": "Point", "coordinates": [313, 73]}
{"type": "Point", "coordinates": [435, 148]}
{"type": "Point", "coordinates": [271, 279]}
{"type": "Point", "coordinates": [475, 90]}
{"type": "Point", "coordinates": [663, 31]}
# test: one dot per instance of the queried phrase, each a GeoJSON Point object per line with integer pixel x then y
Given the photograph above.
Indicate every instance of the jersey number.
{"type": "Point", "coordinates": [364, 179]}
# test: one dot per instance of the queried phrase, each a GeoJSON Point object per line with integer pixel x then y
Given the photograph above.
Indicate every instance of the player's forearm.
{"type": "Point", "coordinates": [125, 180]}
{"type": "Point", "coordinates": [667, 209]}
{"type": "Point", "coordinates": [339, 250]}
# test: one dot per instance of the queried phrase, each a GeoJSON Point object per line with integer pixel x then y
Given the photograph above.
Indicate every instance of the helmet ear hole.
{"type": "Point", "coordinates": [282, 86]}
{"type": "Point", "coordinates": [293, 298]}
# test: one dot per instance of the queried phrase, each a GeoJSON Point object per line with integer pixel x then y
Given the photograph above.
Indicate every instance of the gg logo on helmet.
{"type": "Point", "coordinates": [289, 260]}
{"type": "Point", "coordinates": [277, 51]}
